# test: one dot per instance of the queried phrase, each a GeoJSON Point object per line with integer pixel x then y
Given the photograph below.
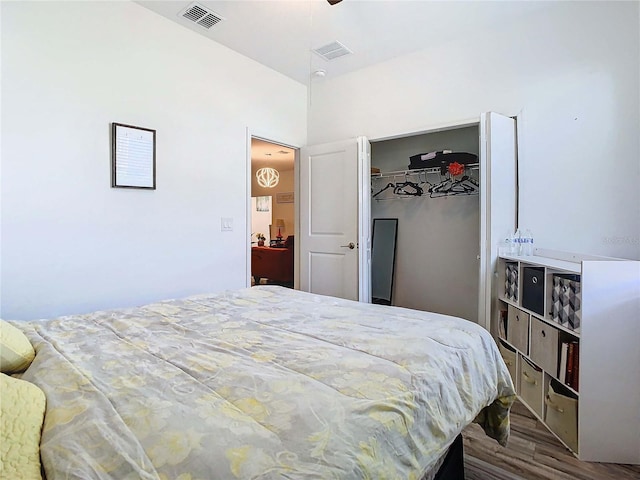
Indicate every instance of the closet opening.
{"type": "Point", "coordinates": [436, 201]}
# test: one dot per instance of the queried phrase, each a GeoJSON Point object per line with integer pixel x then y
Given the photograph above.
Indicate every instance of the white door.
{"type": "Point", "coordinates": [330, 211]}
{"type": "Point", "coordinates": [498, 201]}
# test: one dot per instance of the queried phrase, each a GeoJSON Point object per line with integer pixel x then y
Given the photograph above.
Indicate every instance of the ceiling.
{"type": "Point", "coordinates": [281, 34]}
{"type": "Point", "coordinates": [265, 154]}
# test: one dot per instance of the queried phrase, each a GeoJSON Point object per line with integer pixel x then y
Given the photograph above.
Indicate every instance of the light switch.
{"type": "Point", "coordinates": [226, 224]}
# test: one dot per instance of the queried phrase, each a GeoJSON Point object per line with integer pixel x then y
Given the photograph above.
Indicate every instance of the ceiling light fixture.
{"type": "Point", "coordinates": [267, 177]}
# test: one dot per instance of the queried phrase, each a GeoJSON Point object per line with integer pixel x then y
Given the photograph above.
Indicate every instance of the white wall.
{"type": "Point", "coordinates": [572, 73]}
{"type": "Point", "coordinates": [70, 243]}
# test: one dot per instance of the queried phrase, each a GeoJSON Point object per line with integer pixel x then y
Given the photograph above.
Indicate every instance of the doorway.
{"type": "Point", "coordinates": [438, 232]}
{"type": "Point", "coordinates": [273, 213]}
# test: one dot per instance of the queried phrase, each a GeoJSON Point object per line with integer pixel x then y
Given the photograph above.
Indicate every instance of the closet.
{"type": "Point", "coordinates": [447, 247]}
{"type": "Point", "coordinates": [438, 236]}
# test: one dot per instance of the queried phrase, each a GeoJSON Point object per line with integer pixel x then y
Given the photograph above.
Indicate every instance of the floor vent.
{"type": "Point", "coordinates": [204, 17]}
{"type": "Point", "coordinates": [332, 50]}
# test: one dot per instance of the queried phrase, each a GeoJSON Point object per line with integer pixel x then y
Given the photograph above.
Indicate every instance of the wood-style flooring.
{"type": "Point", "coordinates": [532, 454]}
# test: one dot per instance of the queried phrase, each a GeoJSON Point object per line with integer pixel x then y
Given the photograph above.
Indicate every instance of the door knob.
{"type": "Point", "coordinates": [351, 246]}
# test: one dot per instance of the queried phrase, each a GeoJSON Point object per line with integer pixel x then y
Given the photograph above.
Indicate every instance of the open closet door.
{"type": "Point", "coordinates": [335, 244]}
{"type": "Point", "coordinates": [364, 220]}
{"type": "Point", "coordinates": [498, 201]}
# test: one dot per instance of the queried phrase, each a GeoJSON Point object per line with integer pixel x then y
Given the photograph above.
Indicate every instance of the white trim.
{"type": "Point", "coordinates": [248, 211]}
{"type": "Point", "coordinates": [498, 201]}
{"type": "Point", "coordinates": [364, 220]}
{"type": "Point", "coordinates": [484, 250]}
{"type": "Point", "coordinates": [296, 216]}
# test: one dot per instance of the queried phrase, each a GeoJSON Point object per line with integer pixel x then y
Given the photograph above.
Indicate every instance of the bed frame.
{"type": "Point", "coordinates": [453, 466]}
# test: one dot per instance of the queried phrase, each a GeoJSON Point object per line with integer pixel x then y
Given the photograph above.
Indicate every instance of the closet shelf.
{"type": "Point", "coordinates": [417, 184]}
{"type": "Point", "coordinates": [418, 171]}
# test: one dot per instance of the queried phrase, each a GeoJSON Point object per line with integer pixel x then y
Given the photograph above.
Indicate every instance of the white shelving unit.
{"type": "Point", "coordinates": [599, 418]}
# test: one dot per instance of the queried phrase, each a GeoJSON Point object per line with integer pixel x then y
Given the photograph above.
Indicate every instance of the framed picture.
{"type": "Point", "coordinates": [284, 197]}
{"type": "Point", "coordinates": [263, 204]}
{"type": "Point", "coordinates": [133, 157]}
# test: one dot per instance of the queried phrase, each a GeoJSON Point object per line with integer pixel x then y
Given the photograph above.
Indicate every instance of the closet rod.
{"type": "Point", "coordinates": [472, 166]}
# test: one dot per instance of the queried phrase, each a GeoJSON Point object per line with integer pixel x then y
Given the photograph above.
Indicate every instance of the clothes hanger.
{"type": "Point", "coordinates": [441, 189]}
{"type": "Point", "coordinates": [408, 188]}
{"type": "Point", "coordinates": [459, 187]}
{"type": "Point", "coordinates": [467, 184]}
{"type": "Point", "coordinates": [389, 185]}
{"type": "Point", "coordinates": [426, 179]}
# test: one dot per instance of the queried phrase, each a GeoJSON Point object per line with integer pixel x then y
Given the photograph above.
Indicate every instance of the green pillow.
{"type": "Point", "coordinates": [22, 408]}
{"type": "Point", "coordinates": [16, 351]}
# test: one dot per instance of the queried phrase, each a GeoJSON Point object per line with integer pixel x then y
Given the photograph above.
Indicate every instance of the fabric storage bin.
{"type": "Point", "coordinates": [509, 357]}
{"type": "Point", "coordinates": [533, 289]}
{"type": "Point", "coordinates": [531, 385]}
{"type": "Point", "coordinates": [543, 348]}
{"type": "Point", "coordinates": [518, 329]}
{"type": "Point", "coordinates": [565, 301]}
{"type": "Point", "coordinates": [511, 282]}
{"type": "Point", "coordinates": [562, 416]}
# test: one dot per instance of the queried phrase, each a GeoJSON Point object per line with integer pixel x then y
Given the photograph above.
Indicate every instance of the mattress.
{"type": "Point", "coordinates": [262, 383]}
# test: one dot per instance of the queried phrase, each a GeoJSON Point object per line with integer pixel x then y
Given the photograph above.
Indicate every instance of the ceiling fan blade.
{"type": "Point", "coordinates": [333, 2]}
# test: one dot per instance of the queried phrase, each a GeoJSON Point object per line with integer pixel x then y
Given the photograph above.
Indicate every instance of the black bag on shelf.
{"type": "Point", "coordinates": [441, 159]}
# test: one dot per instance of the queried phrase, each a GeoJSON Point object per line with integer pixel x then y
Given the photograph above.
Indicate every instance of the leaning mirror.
{"type": "Point", "coordinates": [383, 256]}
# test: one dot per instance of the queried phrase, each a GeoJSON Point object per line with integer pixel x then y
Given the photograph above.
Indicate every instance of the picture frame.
{"type": "Point", "coordinates": [263, 203]}
{"type": "Point", "coordinates": [285, 197]}
{"type": "Point", "coordinates": [133, 157]}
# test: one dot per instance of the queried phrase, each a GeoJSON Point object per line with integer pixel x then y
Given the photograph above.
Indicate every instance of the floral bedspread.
{"type": "Point", "coordinates": [261, 383]}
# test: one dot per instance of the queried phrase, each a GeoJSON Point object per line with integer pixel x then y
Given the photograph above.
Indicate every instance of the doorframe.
{"type": "Point", "coordinates": [364, 219]}
{"type": "Point", "coordinates": [296, 206]}
{"type": "Point", "coordinates": [468, 122]}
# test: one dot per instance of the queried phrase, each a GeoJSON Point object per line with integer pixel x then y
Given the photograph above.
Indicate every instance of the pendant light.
{"type": "Point", "coordinates": [267, 177]}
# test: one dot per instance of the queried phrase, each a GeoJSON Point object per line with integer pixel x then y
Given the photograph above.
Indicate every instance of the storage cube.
{"type": "Point", "coordinates": [531, 385]}
{"type": "Point", "coordinates": [511, 282]}
{"type": "Point", "coordinates": [565, 299]}
{"type": "Point", "coordinates": [562, 416]}
{"type": "Point", "coordinates": [544, 345]}
{"type": "Point", "coordinates": [533, 289]}
{"type": "Point", "coordinates": [509, 357]}
{"type": "Point", "coordinates": [518, 329]}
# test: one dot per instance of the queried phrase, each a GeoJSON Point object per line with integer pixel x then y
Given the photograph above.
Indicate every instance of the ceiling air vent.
{"type": "Point", "coordinates": [204, 17]}
{"type": "Point", "coordinates": [332, 50]}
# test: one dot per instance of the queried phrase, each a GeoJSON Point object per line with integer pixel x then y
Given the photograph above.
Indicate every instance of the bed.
{"type": "Point", "coordinates": [262, 383]}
